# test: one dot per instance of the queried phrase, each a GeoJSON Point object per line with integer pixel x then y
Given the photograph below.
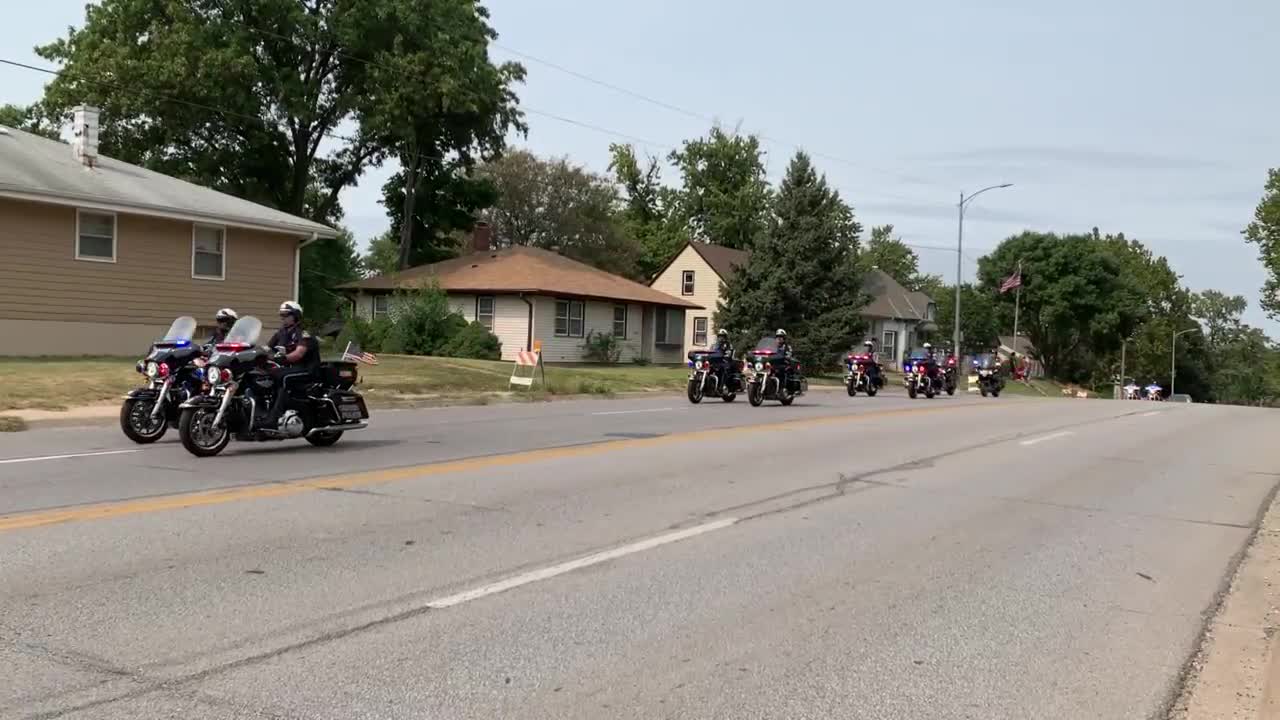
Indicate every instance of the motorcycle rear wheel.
{"type": "Point", "coordinates": [193, 423]}
{"type": "Point", "coordinates": [729, 397]}
{"type": "Point", "coordinates": [951, 390]}
{"type": "Point", "coordinates": [132, 416]}
{"type": "Point", "coordinates": [786, 397]}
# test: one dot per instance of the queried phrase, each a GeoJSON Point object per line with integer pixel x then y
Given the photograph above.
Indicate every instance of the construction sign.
{"type": "Point", "coordinates": [528, 366]}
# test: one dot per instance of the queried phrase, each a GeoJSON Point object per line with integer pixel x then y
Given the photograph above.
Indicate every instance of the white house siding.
{"type": "Point", "coordinates": [597, 317]}
{"type": "Point", "coordinates": [510, 323]}
{"type": "Point", "coordinates": [876, 328]}
{"type": "Point", "coordinates": [706, 292]}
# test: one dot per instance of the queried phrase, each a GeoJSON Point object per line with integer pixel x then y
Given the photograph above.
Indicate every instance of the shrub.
{"type": "Point", "coordinates": [370, 335]}
{"type": "Point", "coordinates": [602, 347]}
{"type": "Point", "coordinates": [423, 322]}
{"type": "Point", "coordinates": [474, 341]}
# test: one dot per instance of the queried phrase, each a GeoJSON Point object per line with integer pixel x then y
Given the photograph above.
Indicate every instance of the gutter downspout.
{"type": "Point", "coordinates": [297, 263]}
{"type": "Point", "coordinates": [529, 339]}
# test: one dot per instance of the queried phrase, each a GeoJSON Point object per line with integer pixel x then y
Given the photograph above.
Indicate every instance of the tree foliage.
{"type": "Point", "coordinates": [29, 119]}
{"type": "Point", "coordinates": [1264, 232]}
{"type": "Point", "coordinates": [803, 274]}
{"type": "Point", "coordinates": [724, 198]}
{"type": "Point", "coordinates": [248, 96]}
{"type": "Point", "coordinates": [554, 204]}
{"type": "Point", "coordinates": [891, 255]}
{"type": "Point", "coordinates": [325, 264]}
{"type": "Point", "coordinates": [647, 215]}
{"type": "Point", "coordinates": [446, 204]}
{"type": "Point", "coordinates": [980, 327]}
{"type": "Point", "coordinates": [1077, 303]}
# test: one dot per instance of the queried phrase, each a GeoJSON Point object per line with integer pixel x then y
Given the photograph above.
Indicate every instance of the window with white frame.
{"type": "Point", "coordinates": [889, 346]}
{"type": "Point", "coordinates": [686, 283]}
{"type": "Point", "coordinates": [208, 252]}
{"type": "Point", "coordinates": [569, 314]}
{"type": "Point", "coordinates": [620, 321]}
{"type": "Point", "coordinates": [700, 331]}
{"type": "Point", "coordinates": [95, 236]}
{"type": "Point", "coordinates": [484, 311]}
{"type": "Point", "coordinates": [381, 306]}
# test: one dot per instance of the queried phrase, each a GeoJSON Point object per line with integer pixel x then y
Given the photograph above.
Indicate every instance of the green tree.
{"type": "Point", "coordinates": [447, 204]}
{"type": "Point", "coordinates": [29, 119]}
{"type": "Point", "coordinates": [724, 198]}
{"type": "Point", "coordinates": [1076, 301]}
{"type": "Point", "coordinates": [261, 86]}
{"type": "Point", "coordinates": [979, 319]}
{"type": "Point", "coordinates": [803, 275]}
{"type": "Point", "coordinates": [893, 256]}
{"type": "Point", "coordinates": [440, 106]}
{"type": "Point", "coordinates": [1264, 232]}
{"type": "Point", "coordinates": [383, 255]}
{"type": "Point", "coordinates": [647, 215]}
{"type": "Point", "coordinates": [554, 204]}
{"type": "Point", "coordinates": [324, 265]}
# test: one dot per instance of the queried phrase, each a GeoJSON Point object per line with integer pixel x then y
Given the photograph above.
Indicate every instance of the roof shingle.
{"type": "Point", "coordinates": [522, 269]}
{"type": "Point", "coordinates": [37, 167]}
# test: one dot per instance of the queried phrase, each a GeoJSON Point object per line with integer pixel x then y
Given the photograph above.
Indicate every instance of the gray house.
{"type": "Point", "coordinates": [897, 318]}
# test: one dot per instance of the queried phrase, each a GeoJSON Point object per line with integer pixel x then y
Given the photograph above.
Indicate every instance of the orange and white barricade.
{"type": "Point", "coordinates": [528, 364]}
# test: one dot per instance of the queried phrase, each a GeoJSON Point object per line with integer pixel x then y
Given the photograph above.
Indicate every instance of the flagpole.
{"type": "Point", "coordinates": [1017, 304]}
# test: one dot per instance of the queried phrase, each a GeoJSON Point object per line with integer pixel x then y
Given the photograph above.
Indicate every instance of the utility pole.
{"type": "Point", "coordinates": [1173, 359]}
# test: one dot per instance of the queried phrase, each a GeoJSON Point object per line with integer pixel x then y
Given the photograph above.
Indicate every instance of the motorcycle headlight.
{"type": "Point", "coordinates": [213, 374]}
{"type": "Point", "coordinates": [759, 367]}
{"type": "Point", "coordinates": [152, 370]}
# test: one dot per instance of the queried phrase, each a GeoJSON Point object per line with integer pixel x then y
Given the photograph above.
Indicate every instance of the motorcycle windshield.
{"type": "Point", "coordinates": [244, 332]}
{"type": "Point", "coordinates": [986, 360]}
{"type": "Point", "coordinates": [767, 345]}
{"type": "Point", "coordinates": [180, 332]}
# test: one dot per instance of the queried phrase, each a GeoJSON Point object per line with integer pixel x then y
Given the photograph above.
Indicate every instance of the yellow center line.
{"type": "Point", "coordinates": [102, 511]}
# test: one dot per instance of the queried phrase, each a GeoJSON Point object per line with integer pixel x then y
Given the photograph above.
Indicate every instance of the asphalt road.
{"type": "Point", "coordinates": [841, 558]}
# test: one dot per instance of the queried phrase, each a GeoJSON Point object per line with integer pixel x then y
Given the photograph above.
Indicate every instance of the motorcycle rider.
{"type": "Point", "coordinates": [723, 345]}
{"type": "Point", "coordinates": [873, 368]}
{"type": "Point", "coordinates": [783, 343]}
{"type": "Point", "coordinates": [223, 320]}
{"type": "Point", "coordinates": [931, 364]}
{"type": "Point", "coordinates": [301, 356]}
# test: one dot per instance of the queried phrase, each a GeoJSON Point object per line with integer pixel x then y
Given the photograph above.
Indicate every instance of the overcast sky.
{"type": "Point", "coordinates": [1153, 117]}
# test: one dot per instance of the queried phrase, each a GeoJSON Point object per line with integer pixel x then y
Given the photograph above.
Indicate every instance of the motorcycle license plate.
{"type": "Point", "coordinates": [350, 410]}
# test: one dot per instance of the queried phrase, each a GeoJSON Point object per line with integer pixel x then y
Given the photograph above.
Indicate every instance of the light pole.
{"type": "Point", "coordinates": [1173, 359]}
{"type": "Point", "coordinates": [964, 201]}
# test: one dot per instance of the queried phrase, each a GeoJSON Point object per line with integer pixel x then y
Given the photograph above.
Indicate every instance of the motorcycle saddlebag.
{"type": "Point", "coordinates": [338, 374]}
{"type": "Point", "coordinates": [350, 405]}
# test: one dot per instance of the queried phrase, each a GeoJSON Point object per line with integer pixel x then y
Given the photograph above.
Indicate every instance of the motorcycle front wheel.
{"type": "Point", "coordinates": [138, 425]}
{"type": "Point", "coordinates": [755, 394]}
{"type": "Point", "coordinates": [695, 391]}
{"type": "Point", "coordinates": [199, 437]}
{"type": "Point", "coordinates": [852, 388]}
{"type": "Point", "coordinates": [325, 439]}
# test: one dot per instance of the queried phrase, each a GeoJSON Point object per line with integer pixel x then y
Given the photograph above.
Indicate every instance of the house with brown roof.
{"type": "Point", "coordinates": [697, 274]}
{"type": "Point", "coordinates": [99, 256]}
{"type": "Point", "coordinates": [529, 297]}
{"type": "Point", "coordinates": [896, 317]}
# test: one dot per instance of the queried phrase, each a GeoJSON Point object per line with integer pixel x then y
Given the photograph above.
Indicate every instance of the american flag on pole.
{"type": "Point", "coordinates": [353, 353]}
{"type": "Point", "coordinates": [1013, 281]}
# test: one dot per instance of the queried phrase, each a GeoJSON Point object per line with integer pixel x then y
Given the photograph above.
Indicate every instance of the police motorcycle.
{"type": "Point", "coordinates": [173, 374]}
{"type": "Point", "coordinates": [862, 374]}
{"type": "Point", "coordinates": [949, 371]}
{"type": "Point", "coordinates": [987, 366]}
{"type": "Point", "coordinates": [320, 407]}
{"type": "Point", "coordinates": [771, 375]}
{"type": "Point", "coordinates": [713, 373]}
{"type": "Point", "coordinates": [921, 374]}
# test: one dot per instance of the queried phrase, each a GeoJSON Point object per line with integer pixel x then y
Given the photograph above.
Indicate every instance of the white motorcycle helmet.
{"type": "Point", "coordinates": [289, 307]}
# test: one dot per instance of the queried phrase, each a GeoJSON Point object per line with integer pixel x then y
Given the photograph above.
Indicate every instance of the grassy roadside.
{"type": "Point", "coordinates": [64, 383]}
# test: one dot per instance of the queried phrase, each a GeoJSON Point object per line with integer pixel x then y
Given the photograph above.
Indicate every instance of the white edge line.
{"type": "Point", "coordinates": [567, 567]}
{"type": "Point", "coordinates": [67, 456]}
{"type": "Point", "coordinates": [1051, 436]}
{"type": "Point", "coordinates": [632, 412]}
{"type": "Point", "coordinates": [1149, 414]}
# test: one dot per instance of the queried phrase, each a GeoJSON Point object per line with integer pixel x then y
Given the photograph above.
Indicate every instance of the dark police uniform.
{"type": "Point", "coordinates": [290, 338]}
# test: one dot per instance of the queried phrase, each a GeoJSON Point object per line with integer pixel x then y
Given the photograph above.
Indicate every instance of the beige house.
{"type": "Point", "coordinates": [530, 298]}
{"type": "Point", "coordinates": [696, 274]}
{"type": "Point", "coordinates": [896, 317]}
{"type": "Point", "coordinates": [100, 256]}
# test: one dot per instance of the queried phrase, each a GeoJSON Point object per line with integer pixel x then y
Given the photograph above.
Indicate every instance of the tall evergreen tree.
{"type": "Point", "coordinates": [803, 274]}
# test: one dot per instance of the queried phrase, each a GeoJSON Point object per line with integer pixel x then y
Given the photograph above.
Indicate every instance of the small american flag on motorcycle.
{"type": "Point", "coordinates": [353, 353]}
{"type": "Point", "coordinates": [1013, 281]}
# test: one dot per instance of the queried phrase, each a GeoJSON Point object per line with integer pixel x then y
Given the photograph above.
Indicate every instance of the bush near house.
{"type": "Point", "coordinates": [421, 323]}
{"type": "Point", "coordinates": [602, 348]}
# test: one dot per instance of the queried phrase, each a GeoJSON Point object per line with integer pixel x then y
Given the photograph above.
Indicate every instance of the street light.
{"type": "Point", "coordinates": [1173, 358]}
{"type": "Point", "coordinates": [964, 201]}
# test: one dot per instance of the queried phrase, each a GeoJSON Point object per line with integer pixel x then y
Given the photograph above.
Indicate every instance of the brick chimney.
{"type": "Point", "coordinates": [84, 134]}
{"type": "Point", "coordinates": [482, 237]}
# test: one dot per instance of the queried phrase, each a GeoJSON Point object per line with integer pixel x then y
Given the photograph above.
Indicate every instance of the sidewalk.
{"type": "Point", "coordinates": [1236, 672]}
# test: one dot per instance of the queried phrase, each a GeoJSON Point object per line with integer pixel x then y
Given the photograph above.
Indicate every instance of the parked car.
{"type": "Point", "coordinates": [1180, 397]}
